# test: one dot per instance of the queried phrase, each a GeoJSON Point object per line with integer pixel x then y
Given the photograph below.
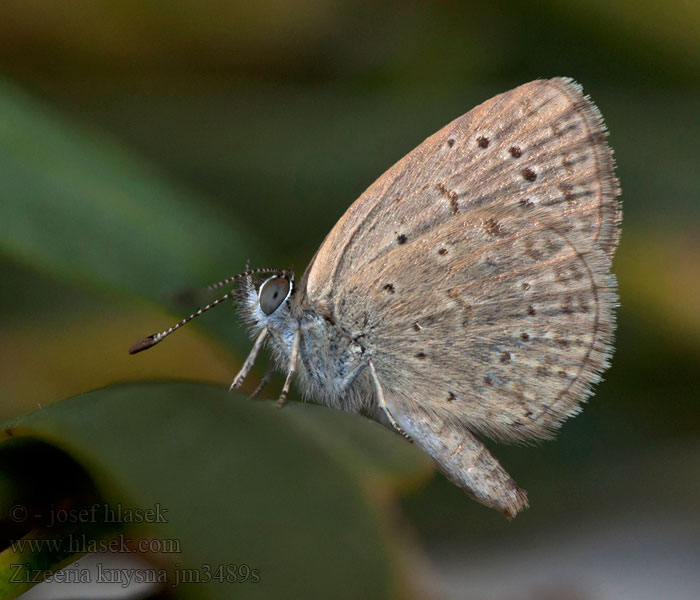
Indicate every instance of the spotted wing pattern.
{"type": "Point", "coordinates": [477, 269]}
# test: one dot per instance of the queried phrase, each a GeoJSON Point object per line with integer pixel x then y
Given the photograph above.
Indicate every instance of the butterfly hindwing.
{"type": "Point", "coordinates": [476, 269]}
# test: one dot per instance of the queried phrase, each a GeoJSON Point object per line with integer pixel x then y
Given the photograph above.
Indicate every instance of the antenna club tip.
{"type": "Point", "coordinates": [143, 344]}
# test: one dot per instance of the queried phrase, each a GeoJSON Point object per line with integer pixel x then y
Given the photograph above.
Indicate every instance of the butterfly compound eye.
{"type": "Point", "coordinates": [272, 293]}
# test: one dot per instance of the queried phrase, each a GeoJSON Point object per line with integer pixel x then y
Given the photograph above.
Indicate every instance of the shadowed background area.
{"type": "Point", "coordinates": [262, 122]}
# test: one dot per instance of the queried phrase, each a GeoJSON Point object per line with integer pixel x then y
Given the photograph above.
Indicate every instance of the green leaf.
{"type": "Point", "coordinates": [282, 491]}
{"type": "Point", "coordinates": [77, 205]}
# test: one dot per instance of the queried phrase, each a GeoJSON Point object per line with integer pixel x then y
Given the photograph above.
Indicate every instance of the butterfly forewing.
{"type": "Point", "coordinates": [477, 268]}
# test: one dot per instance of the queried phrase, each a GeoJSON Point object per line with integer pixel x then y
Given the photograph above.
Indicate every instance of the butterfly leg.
{"type": "Point", "coordinates": [293, 356]}
{"type": "Point", "coordinates": [247, 365]}
{"type": "Point", "coordinates": [464, 460]}
{"type": "Point", "coordinates": [382, 401]}
{"type": "Point", "coordinates": [264, 381]}
{"type": "Point", "coordinates": [350, 377]}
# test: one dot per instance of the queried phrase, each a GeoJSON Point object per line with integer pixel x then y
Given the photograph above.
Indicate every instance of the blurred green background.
{"type": "Point", "coordinates": [261, 123]}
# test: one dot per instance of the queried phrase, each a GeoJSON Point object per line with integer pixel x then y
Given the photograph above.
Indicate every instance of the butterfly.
{"type": "Point", "coordinates": [466, 294]}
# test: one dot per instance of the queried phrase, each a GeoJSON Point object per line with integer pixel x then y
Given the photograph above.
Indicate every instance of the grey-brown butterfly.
{"type": "Point", "coordinates": [466, 293]}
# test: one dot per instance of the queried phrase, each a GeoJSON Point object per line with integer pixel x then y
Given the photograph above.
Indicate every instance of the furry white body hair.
{"type": "Point", "coordinates": [331, 369]}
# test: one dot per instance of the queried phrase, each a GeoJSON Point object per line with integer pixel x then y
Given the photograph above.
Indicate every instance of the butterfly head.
{"type": "Point", "coordinates": [267, 304]}
{"type": "Point", "coordinates": [261, 305]}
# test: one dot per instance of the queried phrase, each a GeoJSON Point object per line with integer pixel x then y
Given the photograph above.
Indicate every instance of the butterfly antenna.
{"type": "Point", "coordinates": [152, 340]}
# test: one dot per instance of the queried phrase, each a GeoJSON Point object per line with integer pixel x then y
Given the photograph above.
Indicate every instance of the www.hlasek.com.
{"type": "Point", "coordinates": [206, 573]}
{"type": "Point", "coordinates": [82, 544]}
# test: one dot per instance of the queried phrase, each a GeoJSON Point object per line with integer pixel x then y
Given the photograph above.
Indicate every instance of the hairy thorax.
{"type": "Point", "coordinates": [332, 363]}
{"type": "Point", "coordinates": [331, 366]}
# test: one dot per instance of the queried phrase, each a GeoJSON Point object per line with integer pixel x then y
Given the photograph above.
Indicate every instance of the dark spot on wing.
{"type": "Point", "coordinates": [524, 337]}
{"type": "Point", "coordinates": [389, 287]}
{"type": "Point", "coordinates": [566, 306]}
{"type": "Point", "coordinates": [516, 152]}
{"type": "Point", "coordinates": [451, 196]}
{"type": "Point", "coordinates": [568, 164]}
{"type": "Point", "coordinates": [401, 239]}
{"type": "Point", "coordinates": [450, 142]}
{"type": "Point", "coordinates": [568, 190]}
{"type": "Point", "coordinates": [467, 308]}
{"type": "Point", "coordinates": [483, 141]}
{"type": "Point", "coordinates": [420, 356]}
{"type": "Point", "coordinates": [531, 310]}
{"type": "Point", "coordinates": [529, 175]}
{"type": "Point", "coordinates": [533, 252]}
{"type": "Point", "coordinates": [505, 357]}
{"type": "Point", "coordinates": [493, 227]}
{"type": "Point", "coordinates": [442, 251]}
